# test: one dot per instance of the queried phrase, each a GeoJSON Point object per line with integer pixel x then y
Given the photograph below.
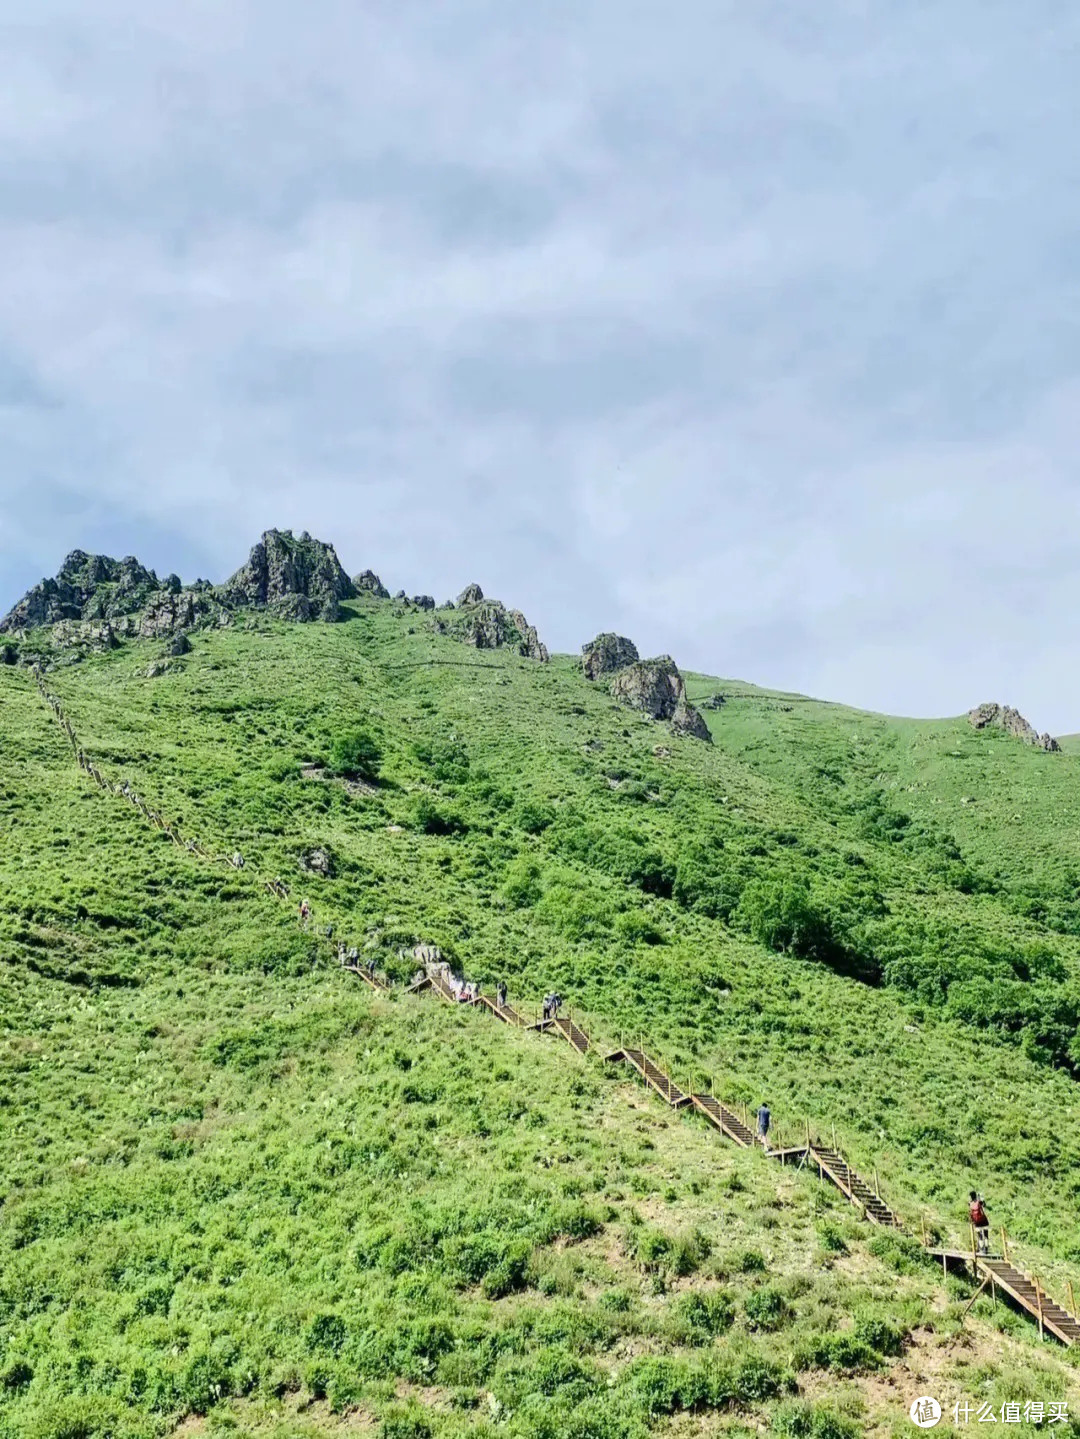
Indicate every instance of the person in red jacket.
{"type": "Point", "coordinates": [980, 1222]}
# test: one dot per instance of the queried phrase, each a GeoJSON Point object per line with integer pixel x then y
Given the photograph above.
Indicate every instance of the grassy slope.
{"type": "Point", "coordinates": [223, 1146]}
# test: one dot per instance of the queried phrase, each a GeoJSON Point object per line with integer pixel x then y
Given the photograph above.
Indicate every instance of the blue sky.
{"type": "Point", "coordinates": [751, 331]}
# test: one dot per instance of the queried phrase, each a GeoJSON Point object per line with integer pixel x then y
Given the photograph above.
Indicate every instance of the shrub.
{"type": "Point", "coordinates": [405, 1421]}
{"type": "Point", "coordinates": [326, 1334]}
{"type": "Point", "coordinates": [765, 1308]}
{"type": "Point", "coordinates": [780, 914]}
{"type": "Point", "coordinates": [429, 819]}
{"type": "Point", "coordinates": [356, 756]}
{"type": "Point", "coordinates": [798, 1419]}
{"type": "Point", "coordinates": [521, 884]}
{"type": "Point", "coordinates": [698, 1317]}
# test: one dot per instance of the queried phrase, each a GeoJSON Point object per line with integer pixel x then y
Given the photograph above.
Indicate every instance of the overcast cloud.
{"type": "Point", "coordinates": [749, 330]}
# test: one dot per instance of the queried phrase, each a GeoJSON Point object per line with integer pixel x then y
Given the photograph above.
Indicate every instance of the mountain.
{"type": "Point", "coordinates": [242, 1189]}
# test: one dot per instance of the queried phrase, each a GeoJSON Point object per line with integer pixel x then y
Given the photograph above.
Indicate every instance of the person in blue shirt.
{"type": "Point", "coordinates": [764, 1119]}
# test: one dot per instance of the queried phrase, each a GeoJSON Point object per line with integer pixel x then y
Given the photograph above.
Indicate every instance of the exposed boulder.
{"type": "Point", "coordinates": [283, 571]}
{"type": "Point", "coordinates": [180, 645]}
{"type": "Point", "coordinates": [995, 716]}
{"type": "Point", "coordinates": [656, 687]}
{"type": "Point", "coordinates": [715, 702]}
{"type": "Point", "coordinates": [687, 721]}
{"type": "Point", "coordinates": [606, 654]}
{"type": "Point", "coordinates": [423, 602]}
{"type": "Point", "coordinates": [318, 861]}
{"type": "Point", "coordinates": [368, 583]}
{"type": "Point", "coordinates": [470, 595]}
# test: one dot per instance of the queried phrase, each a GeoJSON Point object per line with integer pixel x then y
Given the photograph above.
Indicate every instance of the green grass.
{"type": "Point", "coordinates": [230, 1177]}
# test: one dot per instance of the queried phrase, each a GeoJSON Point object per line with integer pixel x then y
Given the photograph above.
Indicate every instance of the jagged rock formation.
{"type": "Point", "coordinates": [606, 654]}
{"type": "Point", "coordinates": [489, 625]}
{"type": "Point", "coordinates": [284, 572]}
{"type": "Point", "coordinates": [169, 610]}
{"type": "Point", "coordinates": [656, 687]}
{"type": "Point", "coordinates": [368, 583]}
{"type": "Point", "coordinates": [995, 716]}
{"type": "Point", "coordinates": [87, 587]}
{"type": "Point", "coordinates": [423, 602]}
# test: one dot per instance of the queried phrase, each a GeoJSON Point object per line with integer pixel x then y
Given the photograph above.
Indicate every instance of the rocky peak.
{"type": "Point", "coordinates": [991, 715]}
{"type": "Point", "coordinates": [489, 625]}
{"type": "Point", "coordinates": [656, 687]}
{"type": "Point", "coordinates": [368, 583]}
{"type": "Point", "coordinates": [606, 654]}
{"type": "Point", "coordinates": [86, 587]}
{"type": "Point", "coordinates": [282, 569]}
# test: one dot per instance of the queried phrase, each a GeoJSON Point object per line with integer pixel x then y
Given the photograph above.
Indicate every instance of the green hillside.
{"type": "Point", "coordinates": [238, 1186]}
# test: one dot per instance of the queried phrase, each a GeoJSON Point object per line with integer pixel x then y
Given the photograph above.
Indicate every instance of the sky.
{"type": "Point", "coordinates": [750, 331]}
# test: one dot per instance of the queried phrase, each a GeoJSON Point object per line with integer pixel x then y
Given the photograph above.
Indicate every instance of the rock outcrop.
{"type": "Point", "coordinates": [995, 716]}
{"type": "Point", "coordinates": [489, 625]}
{"type": "Point", "coordinates": [368, 583]}
{"type": "Point", "coordinates": [606, 654]}
{"type": "Point", "coordinates": [423, 602]}
{"type": "Point", "coordinates": [284, 572]}
{"type": "Point", "coordinates": [656, 687]}
{"type": "Point", "coordinates": [87, 587]}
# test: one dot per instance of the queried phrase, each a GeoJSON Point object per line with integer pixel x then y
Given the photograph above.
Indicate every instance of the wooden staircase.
{"type": "Point", "coordinates": [575, 1037]}
{"type": "Point", "coordinates": [1030, 1295]}
{"type": "Point", "coordinates": [506, 1012]}
{"type": "Point", "coordinates": [376, 983]}
{"type": "Point", "coordinates": [835, 1167]}
{"type": "Point", "coordinates": [652, 1074]}
{"type": "Point", "coordinates": [725, 1120]}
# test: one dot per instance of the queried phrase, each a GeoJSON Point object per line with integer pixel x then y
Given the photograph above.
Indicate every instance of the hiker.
{"type": "Point", "coordinates": [341, 952]}
{"type": "Point", "coordinates": [546, 1011]}
{"type": "Point", "coordinates": [238, 860]}
{"type": "Point", "coordinates": [556, 1001]}
{"type": "Point", "coordinates": [980, 1222]}
{"type": "Point", "coordinates": [370, 967]}
{"type": "Point", "coordinates": [305, 913]}
{"type": "Point", "coordinates": [500, 994]}
{"type": "Point", "coordinates": [329, 931]}
{"type": "Point", "coordinates": [354, 955]}
{"type": "Point", "coordinates": [764, 1119]}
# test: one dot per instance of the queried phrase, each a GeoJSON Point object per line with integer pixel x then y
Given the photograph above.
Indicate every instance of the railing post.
{"type": "Point", "coordinates": [1072, 1298]}
{"type": "Point", "coordinates": [1004, 1245]}
{"type": "Point", "coordinates": [1038, 1296]}
{"type": "Point", "coordinates": [971, 1227]}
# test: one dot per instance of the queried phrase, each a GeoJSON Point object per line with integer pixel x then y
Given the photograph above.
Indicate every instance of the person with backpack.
{"type": "Point", "coordinates": [500, 994]}
{"type": "Point", "coordinates": [980, 1222]}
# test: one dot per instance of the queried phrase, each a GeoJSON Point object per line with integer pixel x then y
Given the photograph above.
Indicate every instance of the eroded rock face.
{"type": "Point", "coordinates": [168, 611]}
{"type": "Point", "coordinates": [283, 571]}
{"type": "Point", "coordinates": [423, 602]}
{"type": "Point", "coordinates": [995, 716]}
{"type": "Point", "coordinates": [606, 654]}
{"type": "Point", "coordinates": [656, 687]}
{"type": "Point", "coordinates": [489, 625]}
{"type": "Point", "coordinates": [470, 595]}
{"type": "Point", "coordinates": [86, 587]}
{"type": "Point", "coordinates": [368, 583]}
